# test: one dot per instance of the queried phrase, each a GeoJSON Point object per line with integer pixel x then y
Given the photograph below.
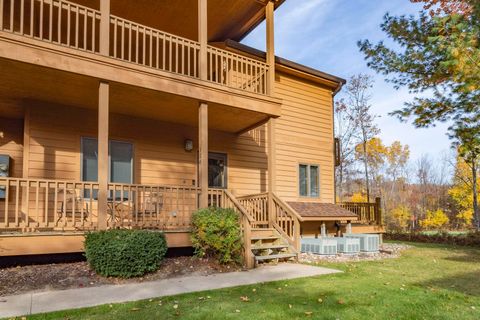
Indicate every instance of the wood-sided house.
{"type": "Point", "coordinates": [134, 114]}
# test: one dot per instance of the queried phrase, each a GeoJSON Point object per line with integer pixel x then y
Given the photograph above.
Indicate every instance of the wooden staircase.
{"type": "Point", "coordinates": [268, 245]}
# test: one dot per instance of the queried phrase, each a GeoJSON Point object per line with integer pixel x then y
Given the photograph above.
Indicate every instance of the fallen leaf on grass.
{"type": "Point", "coordinates": [320, 300]}
{"type": "Point", "coordinates": [308, 313]}
{"type": "Point", "coordinates": [290, 306]}
{"type": "Point", "coordinates": [237, 311]}
{"type": "Point", "coordinates": [244, 298]}
{"type": "Point", "coordinates": [340, 301]}
{"type": "Point", "coordinates": [175, 306]}
{"type": "Point", "coordinates": [135, 309]}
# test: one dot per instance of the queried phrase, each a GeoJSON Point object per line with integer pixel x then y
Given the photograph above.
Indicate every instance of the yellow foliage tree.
{"type": "Point", "coordinates": [434, 219]}
{"type": "Point", "coordinates": [401, 216]}
{"type": "Point", "coordinates": [359, 197]}
{"type": "Point", "coordinates": [461, 193]}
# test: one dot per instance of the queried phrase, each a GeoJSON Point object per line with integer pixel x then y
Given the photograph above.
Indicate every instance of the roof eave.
{"type": "Point", "coordinates": [291, 67]}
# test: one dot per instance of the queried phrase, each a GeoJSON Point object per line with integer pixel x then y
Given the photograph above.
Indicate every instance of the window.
{"type": "Point", "coordinates": [120, 161]}
{"type": "Point", "coordinates": [309, 180]}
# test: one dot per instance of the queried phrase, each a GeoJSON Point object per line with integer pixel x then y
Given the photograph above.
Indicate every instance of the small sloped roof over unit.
{"type": "Point", "coordinates": [316, 211]}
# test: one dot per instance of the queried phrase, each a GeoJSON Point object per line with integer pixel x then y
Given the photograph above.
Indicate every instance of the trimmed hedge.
{"type": "Point", "coordinates": [467, 239]}
{"type": "Point", "coordinates": [125, 253]}
{"type": "Point", "coordinates": [216, 233]}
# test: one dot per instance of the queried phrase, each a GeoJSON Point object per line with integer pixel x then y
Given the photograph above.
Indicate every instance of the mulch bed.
{"type": "Point", "coordinates": [387, 251]}
{"type": "Point", "coordinates": [79, 275]}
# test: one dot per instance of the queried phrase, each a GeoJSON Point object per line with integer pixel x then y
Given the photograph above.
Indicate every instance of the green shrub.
{"type": "Point", "coordinates": [467, 239]}
{"type": "Point", "coordinates": [125, 253]}
{"type": "Point", "coordinates": [216, 233]}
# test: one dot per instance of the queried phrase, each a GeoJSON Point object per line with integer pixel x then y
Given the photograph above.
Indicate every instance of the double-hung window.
{"type": "Point", "coordinates": [309, 180]}
{"type": "Point", "coordinates": [120, 156]}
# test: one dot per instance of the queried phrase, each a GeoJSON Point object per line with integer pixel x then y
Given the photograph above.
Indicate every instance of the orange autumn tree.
{"type": "Point", "coordinates": [445, 6]}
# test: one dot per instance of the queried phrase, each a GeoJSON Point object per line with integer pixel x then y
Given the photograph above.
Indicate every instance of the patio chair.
{"type": "Point", "coordinates": [70, 204]}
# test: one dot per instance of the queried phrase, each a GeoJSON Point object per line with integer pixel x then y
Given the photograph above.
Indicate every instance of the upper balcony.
{"type": "Point", "coordinates": [83, 31]}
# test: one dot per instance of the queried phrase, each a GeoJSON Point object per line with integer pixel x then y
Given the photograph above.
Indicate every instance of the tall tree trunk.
{"type": "Point", "coordinates": [365, 163]}
{"type": "Point", "coordinates": [476, 217]}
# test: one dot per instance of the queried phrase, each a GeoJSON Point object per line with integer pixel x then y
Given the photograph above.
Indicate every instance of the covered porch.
{"type": "Point", "coordinates": [56, 187]}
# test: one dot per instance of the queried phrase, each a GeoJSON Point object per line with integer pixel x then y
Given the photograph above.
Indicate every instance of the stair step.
{"type": "Point", "coordinates": [276, 256]}
{"type": "Point", "coordinates": [263, 229]}
{"type": "Point", "coordinates": [272, 237]}
{"type": "Point", "coordinates": [273, 246]}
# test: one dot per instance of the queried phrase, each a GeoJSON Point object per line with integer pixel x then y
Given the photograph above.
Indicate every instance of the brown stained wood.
{"type": "Point", "coordinates": [270, 45]}
{"type": "Point", "coordinates": [103, 138]}
{"type": "Point", "coordinates": [203, 38]}
{"type": "Point", "coordinates": [203, 154]}
{"type": "Point", "coordinates": [104, 27]}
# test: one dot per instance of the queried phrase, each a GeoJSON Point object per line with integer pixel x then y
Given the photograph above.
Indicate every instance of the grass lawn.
{"type": "Point", "coordinates": [427, 282]}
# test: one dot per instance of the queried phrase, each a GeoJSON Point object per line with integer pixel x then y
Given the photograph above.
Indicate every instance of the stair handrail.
{"type": "Point", "coordinates": [246, 221]}
{"type": "Point", "coordinates": [238, 205]}
{"type": "Point", "coordinates": [294, 238]}
{"type": "Point", "coordinates": [287, 207]}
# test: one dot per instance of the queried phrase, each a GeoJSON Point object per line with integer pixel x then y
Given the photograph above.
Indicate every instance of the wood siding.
{"type": "Point", "coordinates": [304, 134]}
{"type": "Point", "coordinates": [159, 155]}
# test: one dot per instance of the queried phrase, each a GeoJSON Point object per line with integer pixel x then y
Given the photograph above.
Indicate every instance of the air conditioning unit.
{"type": "Point", "coordinates": [368, 242]}
{"type": "Point", "coordinates": [323, 246]}
{"type": "Point", "coordinates": [348, 245]}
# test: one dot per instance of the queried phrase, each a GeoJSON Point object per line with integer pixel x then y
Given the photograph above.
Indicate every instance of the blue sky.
{"type": "Point", "coordinates": [323, 34]}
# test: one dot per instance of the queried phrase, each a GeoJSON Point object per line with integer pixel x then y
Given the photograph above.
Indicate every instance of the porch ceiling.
{"type": "Point", "coordinates": [231, 19]}
{"type": "Point", "coordinates": [22, 83]}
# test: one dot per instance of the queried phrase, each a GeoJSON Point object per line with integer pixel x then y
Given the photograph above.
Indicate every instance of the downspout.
{"type": "Point", "coordinates": [334, 93]}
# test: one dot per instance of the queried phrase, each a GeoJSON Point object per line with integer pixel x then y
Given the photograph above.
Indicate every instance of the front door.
{"type": "Point", "coordinates": [217, 170]}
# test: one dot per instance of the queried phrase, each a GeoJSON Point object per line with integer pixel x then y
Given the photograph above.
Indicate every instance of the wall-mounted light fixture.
{"type": "Point", "coordinates": [188, 145]}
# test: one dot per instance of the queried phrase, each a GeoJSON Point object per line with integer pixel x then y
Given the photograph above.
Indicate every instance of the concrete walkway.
{"type": "Point", "coordinates": [39, 302]}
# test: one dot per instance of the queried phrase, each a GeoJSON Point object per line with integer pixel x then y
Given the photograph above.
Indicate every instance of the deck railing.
{"type": "Point", "coordinates": [36, 204]}
{"type": "Point", "coordinates": [237, 71]}
{"type": "Point", "coordinates": [151, 206]}
{"type": "Point", "coordinates": [56, 21]}
{"type": "Point", "coordinates": [142, 45]}
{"type": "Point", "coordinates": [76, 26]}
{"type": "Point", "coordinates": [367, 212]}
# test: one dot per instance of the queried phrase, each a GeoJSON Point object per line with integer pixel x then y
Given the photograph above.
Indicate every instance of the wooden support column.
{"type": "Point", "coordinates": [105, 27]}
{"type": "Point", "coordinates": [103, 106]}
{"type": "Point", "coordinates": [270, 46]}
{"type": "Point", "coordinates": [203, 154]}
{"type": "Point", "coordinates": [203, 39]}
{"type": "Point", "coordinates": [271, 168]}
{"type": "Point", "coordinates": [26, 157]}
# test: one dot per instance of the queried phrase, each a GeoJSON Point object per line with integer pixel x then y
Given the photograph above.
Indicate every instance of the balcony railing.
{"type": "Point", "coordinates": [68, 24]}
{"type": "Point", "coordinates": [367, 212]}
